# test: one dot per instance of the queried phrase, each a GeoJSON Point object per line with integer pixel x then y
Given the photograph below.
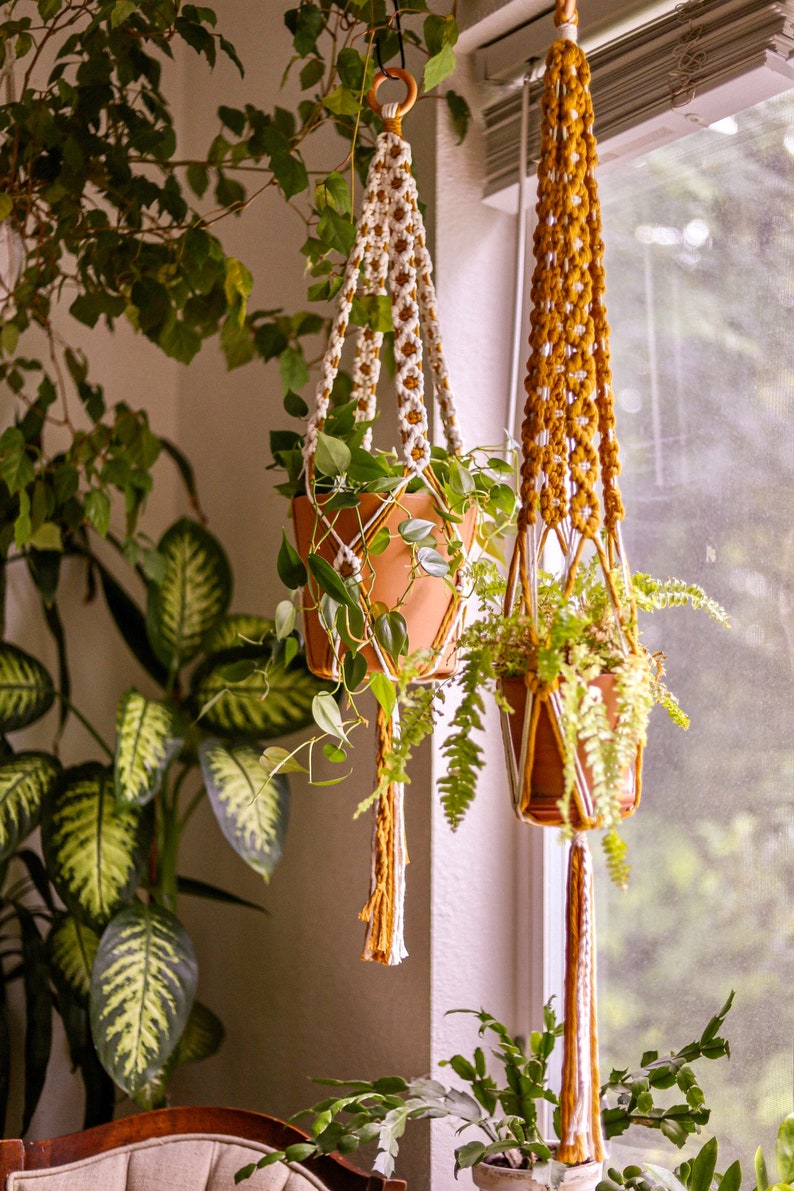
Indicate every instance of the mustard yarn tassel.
{"type": "Point", "coordinates": [580, 1115]}
{"type": "Point", "coordinates": [384, 911]}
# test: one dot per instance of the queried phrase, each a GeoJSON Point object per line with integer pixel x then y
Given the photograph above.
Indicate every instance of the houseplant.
{"type": "Point", "coordinates": [505, 1108]}
{"type": "Point", "coordinates": [579, 644]}
{"type": "Point", "coordinates": [111, 828]}
{"type": "Point", "coordinates": [101, 215]}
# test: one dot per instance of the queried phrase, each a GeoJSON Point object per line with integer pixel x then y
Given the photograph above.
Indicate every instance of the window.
{"type": "Point", "coordinates": [700, 291]}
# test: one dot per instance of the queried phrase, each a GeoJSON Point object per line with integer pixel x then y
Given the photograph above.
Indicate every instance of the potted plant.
{"type": "Point", "coordinates": [605, 696]}
{"type": "Point", "coordinates": [505, 1106]}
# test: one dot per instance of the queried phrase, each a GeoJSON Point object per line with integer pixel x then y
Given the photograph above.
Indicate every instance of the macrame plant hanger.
{"type": "Point", "coordinates": [389, 255]}
{"type": "Point", "coordinates": [568, 446]}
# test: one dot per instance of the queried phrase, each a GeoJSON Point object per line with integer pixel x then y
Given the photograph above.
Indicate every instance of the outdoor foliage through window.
{"type": "Point", "coordinates": [700, 271]}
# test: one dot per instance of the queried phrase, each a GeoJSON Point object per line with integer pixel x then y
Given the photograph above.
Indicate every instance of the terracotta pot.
{"type": "Point", "coordinates": [432, 609]}
{"type": "Point", "coordinates": [543, 1176]}
{"type": "Point", "coordinates": [536, 794]}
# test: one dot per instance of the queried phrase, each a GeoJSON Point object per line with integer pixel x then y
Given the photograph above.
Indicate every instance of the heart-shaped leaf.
{"type": "Point", "coordinates": [391, 633]}
{"type": "Point", "coordinates": [194, 593]}
{"type": "Point", "coordinates": [432, 562]}
{"type": "Point", "coordinates": [330, 581]}
{"type": "Point", "coordinates": [142, 988]}
{"type": "Point", "coordinates": [26, 689]}
{"type": "Point", "coordinates": [26, 780]}
{"type": "Point", "coordinates": [415, 529]}
{"type": "Point", "coordinates": [289, 565]}
{"type": "Point", "coordinates": [332, 456]}
{"type": "Point", "coordinates": [251, 810]}
{"type": "Point", "coordinates": [148, 737]}
{"type": "Point", "coordinates": [327, 715]}
{"type": "Point", "coordinates": [95, 852]}
{"type": "Point", "coordinates": [383, 689]}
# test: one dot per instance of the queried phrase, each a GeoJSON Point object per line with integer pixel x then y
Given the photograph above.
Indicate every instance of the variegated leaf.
{"type": "Point", "coordinates": [237, 630]}
{"type": "Point", "coordinates": [203, 1034]}
{"type": "Point", "coordinates": [26, 779]}
{"type": "Point", "coordinates": [95, 851]}
{"type": "Point", "coordinates": [142, 988]}
{"type": "Point", "coordinates": [153, 1092]}
{"type": "Point", "coordinates": [272, 701]}
{"type": "Point", "coordinates": [252, 811]}
{"type": "Point", "coordinates": [147, 739]}
{"type": "Point", "coordinates": [194, 593]}
{"type": "Point", "coordinates": [72, 947]}
{"type": "Point", "coordinates": [26, 689]}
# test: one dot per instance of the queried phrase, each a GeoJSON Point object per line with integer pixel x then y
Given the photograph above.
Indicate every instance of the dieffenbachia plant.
{"type": "Point", "coordinates": [111, 828]}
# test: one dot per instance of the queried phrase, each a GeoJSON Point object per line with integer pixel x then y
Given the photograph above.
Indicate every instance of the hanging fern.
{"type": "Point", "coordinates": [461, 750]}
{"type": "Point", "coordinates": [651, 594]}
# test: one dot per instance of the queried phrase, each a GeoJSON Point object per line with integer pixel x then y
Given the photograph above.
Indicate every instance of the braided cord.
{"type": "Point", "coordinates": [568, 383]}
{"type": "Point", "coordinates": [390, 243]}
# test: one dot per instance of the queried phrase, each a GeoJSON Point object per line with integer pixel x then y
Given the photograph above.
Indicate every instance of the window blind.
{"type": "Point", "coordinates": [692, 66]}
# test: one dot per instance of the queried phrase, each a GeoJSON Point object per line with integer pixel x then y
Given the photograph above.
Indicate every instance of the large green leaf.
{"type": "Point", "coordinates": [252, 812]}
{"type": "Point", "coordinates": [148, 737]}
{"type": "Point", "coordinates": [73, 947]}
{"type": "Point", "coordinates": [237, 630]}
{"type": "Point", "coordinates": [95, 851]}
{"type": "Point", "coordinates": [203, 1034]}
{"type": "Point", "coordinates": [272, 701]}
{"type": "Point", "coordinates": [25, 781]}
{"type": "Point", "coordinates": [142, 988]}
{"type": "Point", "coordinates": [194, 593]}
{"type": "Point", "coordinates": [26, 689]}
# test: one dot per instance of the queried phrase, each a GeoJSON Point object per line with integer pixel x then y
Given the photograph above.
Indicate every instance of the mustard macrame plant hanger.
{"type": "Point", "coordinates": [389, 255]}
{"type": "Point", "coordinates": [569, 499]}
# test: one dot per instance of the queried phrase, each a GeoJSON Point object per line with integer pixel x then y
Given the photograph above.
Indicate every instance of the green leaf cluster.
{"type": "Point", "coordinates": [502, 1106]}
{"type": "Point", "coordinates": [111, 829]}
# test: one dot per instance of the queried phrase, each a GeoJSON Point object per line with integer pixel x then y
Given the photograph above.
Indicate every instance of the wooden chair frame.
{"type": "Point", "coordinates": [335, 1172]}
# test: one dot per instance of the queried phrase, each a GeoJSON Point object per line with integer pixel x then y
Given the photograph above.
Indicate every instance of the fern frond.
{"type": "Point", "coordinates": [615, 849]}
{"type": "Point", "coordinates": [652, 594]}
{"type": "Point", "coordinates": [462, 753]}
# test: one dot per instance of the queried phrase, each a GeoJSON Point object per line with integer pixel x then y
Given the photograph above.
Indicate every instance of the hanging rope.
{"type": "Point", "coordinates": [389, 255]}
{"type": "Point", "coordinates": [383, 913]}
{"type": "Point", "coordinates": [580, 1111]}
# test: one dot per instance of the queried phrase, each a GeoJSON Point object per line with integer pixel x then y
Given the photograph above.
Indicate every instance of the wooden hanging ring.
{"type": "Point", "coordinates": [565, 13]}
{"type": "Point", "coordinates": [395, 72]}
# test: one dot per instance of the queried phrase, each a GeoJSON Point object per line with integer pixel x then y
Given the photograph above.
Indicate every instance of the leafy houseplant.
{"type": "Point", "coordinates": [477, 489]}
{"type": "Point", "coordinates": [605, 695]}
{"type": "Point", "coordinates": [505, 1108]}
{"type": "Point", "coordinates": [111, 829]}
{"type": "Point", "coordinates": [102, 216]}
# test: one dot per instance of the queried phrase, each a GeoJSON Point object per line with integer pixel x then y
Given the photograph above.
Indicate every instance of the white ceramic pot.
{"type": "Point", "coordinates": [543, 1176]}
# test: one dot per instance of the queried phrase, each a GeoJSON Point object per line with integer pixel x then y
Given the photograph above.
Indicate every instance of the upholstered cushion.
{"type": "Point", "coordinates": [194, 1162]}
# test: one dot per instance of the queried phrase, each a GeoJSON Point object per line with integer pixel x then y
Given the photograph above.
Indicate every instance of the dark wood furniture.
{"type": "Point", "coordinates": [336, 1173]}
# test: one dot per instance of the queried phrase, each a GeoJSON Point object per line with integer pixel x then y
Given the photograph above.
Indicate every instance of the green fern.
{"type": "Point", "coordinates": [651, 594]}
{"type": "Point", "coordinates": [462, 753]}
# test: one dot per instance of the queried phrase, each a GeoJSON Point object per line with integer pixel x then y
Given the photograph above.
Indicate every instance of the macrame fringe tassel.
{"type": "Point", "coordinates": [384, 911]}
{"type": "Point", "coordinates": [580, 1111]}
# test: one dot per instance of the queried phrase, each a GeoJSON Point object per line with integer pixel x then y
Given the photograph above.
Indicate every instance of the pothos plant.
{"type": "Point", "coordinates": [581, 640]}
{"type": "Point", "coordinates": [103, 217]}
{"type": "Point", "coordinates": [105, 946]}
{"type": "Point", "coordinates": [501, 1099]}
{"type": "Point", "coordinates": [477, 491]}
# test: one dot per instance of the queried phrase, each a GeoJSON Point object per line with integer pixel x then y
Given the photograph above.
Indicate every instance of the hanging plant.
{"type": "Point", "coordinates": [382, 538]}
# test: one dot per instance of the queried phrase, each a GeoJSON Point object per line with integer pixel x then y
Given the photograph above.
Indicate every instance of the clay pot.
{"type": "Point", "coordinates": [432, 609]}
{"type": "Point", "coordinates": [543, 1176]}
{"type": "Point", "coordinates": [536, 793]}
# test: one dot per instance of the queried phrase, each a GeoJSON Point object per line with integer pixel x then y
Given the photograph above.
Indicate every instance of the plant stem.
{"type": "Point", "coordinates": [86, 724]}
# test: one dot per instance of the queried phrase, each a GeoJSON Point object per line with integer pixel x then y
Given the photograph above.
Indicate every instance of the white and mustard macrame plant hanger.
{"type": "Point", "coordinates": [568, 446]}
{"type": "Point", "coordinates": [389, 255]}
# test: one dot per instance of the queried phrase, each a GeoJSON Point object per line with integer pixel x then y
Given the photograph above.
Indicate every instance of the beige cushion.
{"type": "Point", "coordinates": [193, 1162]}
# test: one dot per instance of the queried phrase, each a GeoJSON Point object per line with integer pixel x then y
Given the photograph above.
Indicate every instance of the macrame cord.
{"type": "Point", "coordinates": [568, 447]}
{"type": "Point", "coordinates": [389, 255]}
